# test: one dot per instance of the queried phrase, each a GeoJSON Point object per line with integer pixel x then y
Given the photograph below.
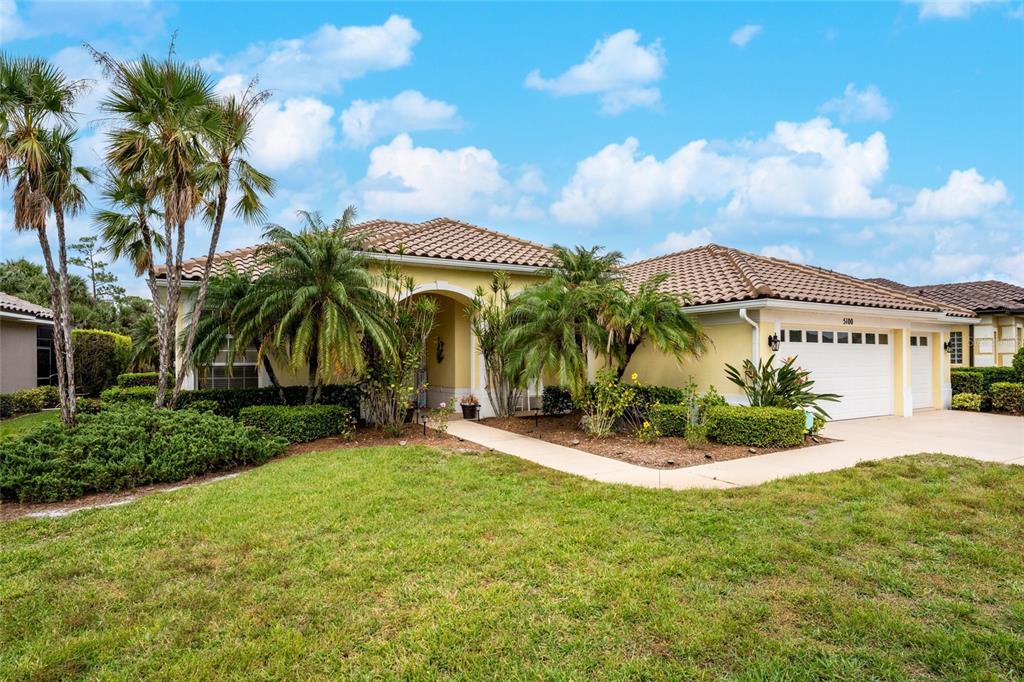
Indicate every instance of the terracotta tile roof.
{"type": "Point", "coordinates": [18, 305]}
{"type": "Point", "coordinates": [985, 296]}
{"type": "Point", "coordinates": [718, 274]}
{"type": "Point", "coordinates": [438, 238]}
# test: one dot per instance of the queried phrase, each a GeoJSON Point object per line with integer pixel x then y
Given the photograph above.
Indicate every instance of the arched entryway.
{"type": "Point", "coordinates": [450, 370]}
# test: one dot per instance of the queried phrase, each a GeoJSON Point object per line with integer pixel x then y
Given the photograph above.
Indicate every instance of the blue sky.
{"type": "Point", "coordinates": [878, 139]}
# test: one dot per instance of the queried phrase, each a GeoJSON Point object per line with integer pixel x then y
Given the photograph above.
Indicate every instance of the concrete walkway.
{"type": "Point", "coordinates": [986, 437]}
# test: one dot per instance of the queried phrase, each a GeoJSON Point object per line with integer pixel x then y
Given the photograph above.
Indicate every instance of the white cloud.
{"type": "Point", "coordinates": [1009, 268]}
{"type": "Point", "coordinates": [323, 60]}
{"type": "Point", "coordinates": [291, 132]}
{"type": "Point", "coordinates": [965, 195]}
{"type": "Point", "coordinates": [859, 105]}
{"type": "Point", "coordinates": [409, 111]}
{"type": "Point", "coordinates": [618, 68]}
{"type": "Point", "coordinates": [405, 179]}
{"type": "Point", "coordinates": [786, 252]}
{"type": "Point", "coordinates": [800, 170]}
{"type": "Point", "coordinates": [135, 21]}
{"type": "Point", "coordinates": [744, 34]}
{"type": "Point", "coordinates": [947, 9]}
{"type": "Point", "coordinates": [673, 242]}
{"type": "Point", "coordinates": [11, 25]}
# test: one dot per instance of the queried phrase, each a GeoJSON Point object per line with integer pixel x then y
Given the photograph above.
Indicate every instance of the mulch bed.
{"type": "Point", "coordinates": [365, 436]}
{"type": "Point", "coordinates": [664, 453]}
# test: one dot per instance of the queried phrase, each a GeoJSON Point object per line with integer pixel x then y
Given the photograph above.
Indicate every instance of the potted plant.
{"type": "Point", "coordinates": [470, 406]}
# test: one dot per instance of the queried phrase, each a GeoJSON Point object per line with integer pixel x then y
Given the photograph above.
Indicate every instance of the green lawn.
{"type": "Point", "coordinates": [17, 426]}
{"type": "Point", "coordinates": [413, 563]}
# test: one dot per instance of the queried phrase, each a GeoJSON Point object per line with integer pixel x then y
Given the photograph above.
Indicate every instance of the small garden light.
{"type": "Point", "coordinates": [773, 342]}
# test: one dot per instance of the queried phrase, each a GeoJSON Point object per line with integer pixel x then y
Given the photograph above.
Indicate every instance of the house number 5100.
{"type": "Point", "coordinates": [847, 320]}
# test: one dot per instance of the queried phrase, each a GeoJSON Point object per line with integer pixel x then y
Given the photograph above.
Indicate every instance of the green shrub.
{"type": "Point", "coordinates": [966, 381]}
{"type": "Point", "coordinates": [88, 405]}
{"type": "Point", "coordinates": [666, 395]}
{"type": "Point", "coordinates": [670, 420]}
{"type": "Point", "coordinates": [301, 423]}
{"type": "Point", "coordinates": [1007, 396]}
{"type": "Point", "coordinates": [100, 357]}
{"type": "Point", "coordinates": [126, 446]}
{"type": "Point", "coordinates": [230, 401]}
{"type": "Point", "coordinates": [203, 406]}
{"type": "Point", "coordinates": [696, 435]}
{"type": "Point", "coordinates": [764, 427]}
{"type": "Point", "coordinates": [967, 401]}
{"type": "Point", "coordinates": [990, 375]}
{"type": "Point", "coordinates": [33, 399]}
{"type": "Point", "coordinates": [6, 406]}
{"type": "Point", "coordinates": [1018, 363]}
{"type": "Point", "coordinates": [556, 400]}
{"type": "Point", "coordinates": [130, 379]}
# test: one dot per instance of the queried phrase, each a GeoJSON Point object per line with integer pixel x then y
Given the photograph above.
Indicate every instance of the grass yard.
{"type": "Point", "coordinates": [416, 563]}
{"type": "Point", "coordinates": [19, 426]}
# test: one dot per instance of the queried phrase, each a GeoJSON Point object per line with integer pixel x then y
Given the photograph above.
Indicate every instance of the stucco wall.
{"type": "Point", "coordinates": [17, 355]}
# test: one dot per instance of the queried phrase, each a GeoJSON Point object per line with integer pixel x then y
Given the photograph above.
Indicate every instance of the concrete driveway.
{"type": "Point", "coordinates": [988, 437]}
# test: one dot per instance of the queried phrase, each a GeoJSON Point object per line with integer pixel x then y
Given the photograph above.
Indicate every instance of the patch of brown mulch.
{"type": "Point", "coordinates": [663, 453]}
{"type": "Point", "coordinates": [365, 436]}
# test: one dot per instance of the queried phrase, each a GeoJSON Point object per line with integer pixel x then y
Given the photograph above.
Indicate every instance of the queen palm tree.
{"type": "Point", "coordinates": [318, 295]}
{"type": "Point", "coordinates": [36, 98]}
{"type": "Point", "coordinates": [227, 168]}
{"type": "Point", "coordinates": [653, 316]}
{"type": "Point", "coordinates": [561, 321]}
{"type": "Point", "coordinates": [166, 117]}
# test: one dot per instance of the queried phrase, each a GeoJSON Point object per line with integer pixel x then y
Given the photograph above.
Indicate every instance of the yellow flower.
{"type": "Point", "coordinates": [634, 376]}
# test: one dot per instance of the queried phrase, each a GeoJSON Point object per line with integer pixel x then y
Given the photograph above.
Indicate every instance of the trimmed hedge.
{"type": "Point", "coordinates": [127, 446]}
{"type": "Point", "coordinates": [1007, 396]}
{"type": "Point", "coordinates": [230, 401]}
{"type": "Point", "coordinates": [989, 376]}
{"type": "Point", "coordinates": [100, 356]}
{"type": "Point", "coordinates": [646, 396]}
{"type": "Point", "coordinates": [300, 423]}
{"type": "Point", "coordinates": [970, 402]}
{"type": "Point", "coordinates": [766, 427]}
{"type": "Point", "coordinates": [669, 420]}
{"type": "Point", "coordinates": [130, 379]}
{"type": "Point", "coordinates": [556, 400]}
{"type": "Point", "coordinates": [966, 381]}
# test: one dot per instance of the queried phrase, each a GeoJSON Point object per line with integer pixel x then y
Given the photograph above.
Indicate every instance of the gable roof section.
{"type": "Point", "coordinates": [987, 296]}
{"type": "Point", "coordinates": [442, 238]}
{"type": "Point", "coordinates": [718, 274]}
{"type": "Point", "coordinates": [13, 304]}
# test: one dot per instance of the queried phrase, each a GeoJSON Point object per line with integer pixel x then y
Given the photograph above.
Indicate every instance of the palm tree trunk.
{"type": "Point", "coordinates": [268, 367]}
{"type": "Point", "coordinates": [154, 292]}
{"type": "Point", "coordinates": [170, 310]}
{"type": "Point", "coordinates": [204, 283]}
{"type": "Point", "coordinates": [313, 372]}
{"type": "Point", "coordinates": [65, 317]}
{"type": "Point", "coordinates": [58, 330]}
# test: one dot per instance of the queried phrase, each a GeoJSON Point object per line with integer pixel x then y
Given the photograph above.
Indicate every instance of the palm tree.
{"type": "Point", "coordinates": [319, 297]}
{"type": "Point", "coordinates": [36, 98]}
{"type": "Point", "coordinates": [227, 169]}
{"type": "Point", "coordinates": [657, 317]}
{"type": "Point", "coordinates": [230, 318]}
{"type": "Point", "coordinates": [491, 319]}
{"type": "Point", "coordinates": [145, 344]}
{"type": "Point", "coordinates": [167, 115]}
{"type": "Point", "coordinates": [561, 321]}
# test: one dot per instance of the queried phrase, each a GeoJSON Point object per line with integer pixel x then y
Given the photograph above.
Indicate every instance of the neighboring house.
{"type": "Point", "coordinates": [26, 345]}
{"type": "Point", "coordinates": [882, 350]}
{"type": "Point", "coordinates": [448, 259]}
{"type": "Point", "coordinates": [999, 333]}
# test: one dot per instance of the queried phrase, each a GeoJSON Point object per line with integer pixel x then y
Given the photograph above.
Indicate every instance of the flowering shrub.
{"type": "Point", "coordinates": [440, 415]}
{"type": "Point", "coordinates": [647, 432]}
{"type": "Point", "coordinates": [608, 402]}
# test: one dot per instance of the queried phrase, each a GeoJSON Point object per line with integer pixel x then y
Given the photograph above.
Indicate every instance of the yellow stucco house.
{"type": "Point", "coordinates": [999, 332]}
{"type": "Point", "coordinates": [884, 351]}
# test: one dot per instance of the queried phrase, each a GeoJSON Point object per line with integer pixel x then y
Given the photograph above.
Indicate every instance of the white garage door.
{"type": "Point", "coordinates": [855, 365]}
{"type": "Point", "coordinates": [921, 371]}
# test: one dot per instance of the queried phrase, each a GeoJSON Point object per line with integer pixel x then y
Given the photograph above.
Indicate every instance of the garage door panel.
{"type": "Point", "coordinates": [921, 372]}
{"type": "Point", "coordinates": [859, 372]}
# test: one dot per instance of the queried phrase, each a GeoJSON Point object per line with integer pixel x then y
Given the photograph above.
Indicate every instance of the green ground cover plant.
{"type": "Point", "coordinates": [414, 563]}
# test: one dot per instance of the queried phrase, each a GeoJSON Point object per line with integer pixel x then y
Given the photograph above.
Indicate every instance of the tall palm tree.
{"type": "Point", "coordinates": [145, 346]}
{"type": "Point", "coordinates": [318, 294]}
{"type": "Point", "coordinates": [230, 318]}
{"type": "Point", "coordinates": [166, 117]}
{"type": "Point", "coordinates": [36, 98]}
{"type": "Point", "coordinates": [561, 321]}
{"type": "Point", "coordinates": [227, 168]}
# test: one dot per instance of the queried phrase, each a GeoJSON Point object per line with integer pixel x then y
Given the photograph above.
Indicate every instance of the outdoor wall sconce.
{"type": "Point", "coordinates": [439, 351]}
{"type": "Point", "coordinates": [948, 347]}
{"type": "Point", "coordinates": [773, 342]}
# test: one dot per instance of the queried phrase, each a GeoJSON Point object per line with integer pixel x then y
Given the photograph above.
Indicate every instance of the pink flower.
{"type": "Point", "coordinates": [443, 405]}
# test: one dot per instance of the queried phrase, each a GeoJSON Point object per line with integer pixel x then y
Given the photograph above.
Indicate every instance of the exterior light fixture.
{"type": "Point", "coordinates": [773, 342]}
{"type": "Point", "coordinates": [948, 347]}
